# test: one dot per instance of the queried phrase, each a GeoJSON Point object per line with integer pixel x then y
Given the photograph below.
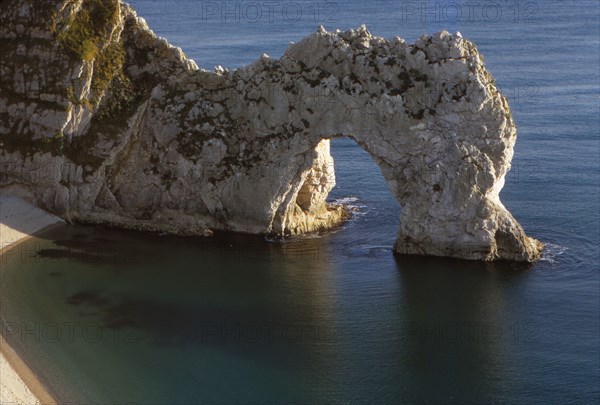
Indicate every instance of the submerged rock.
{"type": "Point", "coordinates": [103, 122]}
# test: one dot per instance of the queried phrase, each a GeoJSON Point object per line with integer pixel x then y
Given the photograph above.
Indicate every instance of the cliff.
{"type": "Point", "coordinates": [103, 122]}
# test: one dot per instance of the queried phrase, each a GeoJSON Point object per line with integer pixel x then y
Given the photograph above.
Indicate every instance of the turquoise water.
{"type": "Point", "coordinates": [120, 317]}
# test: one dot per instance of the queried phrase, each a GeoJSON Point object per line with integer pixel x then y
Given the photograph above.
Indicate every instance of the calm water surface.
{"type": "Point", "coordinates": [119, 317]}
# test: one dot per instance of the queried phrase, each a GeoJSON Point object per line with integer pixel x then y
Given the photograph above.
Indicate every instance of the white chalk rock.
{"type": "Point", "coordinates": [161, 145]}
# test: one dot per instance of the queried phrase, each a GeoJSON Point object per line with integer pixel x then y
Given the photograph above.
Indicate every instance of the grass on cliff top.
{"type": "Point", "coordinates": [87, 37]}
{"type": "Point", "coordinates": [89, 28]}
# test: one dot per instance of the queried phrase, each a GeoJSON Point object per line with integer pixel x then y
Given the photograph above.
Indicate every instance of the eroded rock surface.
{"type": "Point", "coordinates": [101, 121]}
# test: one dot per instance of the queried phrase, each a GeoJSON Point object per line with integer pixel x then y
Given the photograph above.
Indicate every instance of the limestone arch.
{"type": "Point", "coordinates": [443, 143]}
{"type": "Point", "coordinates": [193, 151]}
{"type": "Point", "coordinates": [428, 113]}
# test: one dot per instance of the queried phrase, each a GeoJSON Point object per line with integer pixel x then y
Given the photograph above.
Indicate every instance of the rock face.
{"type": "Point", "coordinates": [103, 122]}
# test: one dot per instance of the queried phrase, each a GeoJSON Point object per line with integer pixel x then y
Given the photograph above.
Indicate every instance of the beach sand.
{"type": "Point", "coordinates": [19, 220]}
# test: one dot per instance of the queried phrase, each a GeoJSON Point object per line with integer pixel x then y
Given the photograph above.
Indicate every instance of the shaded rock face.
{"type": "Point", "coordinates": [103, 122]}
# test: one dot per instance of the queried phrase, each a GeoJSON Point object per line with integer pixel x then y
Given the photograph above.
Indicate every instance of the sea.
{"type": "Point", "coordinates": [106, 316]}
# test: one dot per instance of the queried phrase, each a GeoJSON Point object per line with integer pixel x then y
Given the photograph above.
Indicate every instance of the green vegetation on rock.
{"type": "Point", "coordinates": [88, 37]}
{"type": "Point", "coordinates": [89, 28]}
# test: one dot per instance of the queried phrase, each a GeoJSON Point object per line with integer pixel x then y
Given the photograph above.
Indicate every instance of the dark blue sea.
{"type": "Point", "coordinates": [115, 317]}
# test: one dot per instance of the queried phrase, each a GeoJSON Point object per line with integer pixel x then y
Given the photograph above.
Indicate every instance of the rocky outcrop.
{"type": "Point", "coordinates": [101, 121]}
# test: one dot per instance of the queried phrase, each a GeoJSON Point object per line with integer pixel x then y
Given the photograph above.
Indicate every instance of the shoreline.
{"type": "Point", "coordinates": [20, 221]}
{"type": "Point", "coordinates": [20, 385]}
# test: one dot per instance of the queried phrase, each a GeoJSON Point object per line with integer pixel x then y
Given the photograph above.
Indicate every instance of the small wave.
{"type": "Point", "coordinates": [551, 252]}
{"type": "Point", "coordinates": [345, 200]}
{"type": "Point", "coordinates": [367, 251]}
{"type": "Point", "coordinates": [352, 203]}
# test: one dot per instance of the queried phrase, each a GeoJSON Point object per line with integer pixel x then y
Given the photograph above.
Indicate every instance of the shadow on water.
{"type": "Point", "coordinates": [108, 246]}
{"type": "Point", "coordinates": [457, 331]}
{"type": "Point", "coordinates": [206, 301]}
{"type": "Point", "coordinates": [332, 318]}
{"type": "Point", "coordinates": [233, 293]}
